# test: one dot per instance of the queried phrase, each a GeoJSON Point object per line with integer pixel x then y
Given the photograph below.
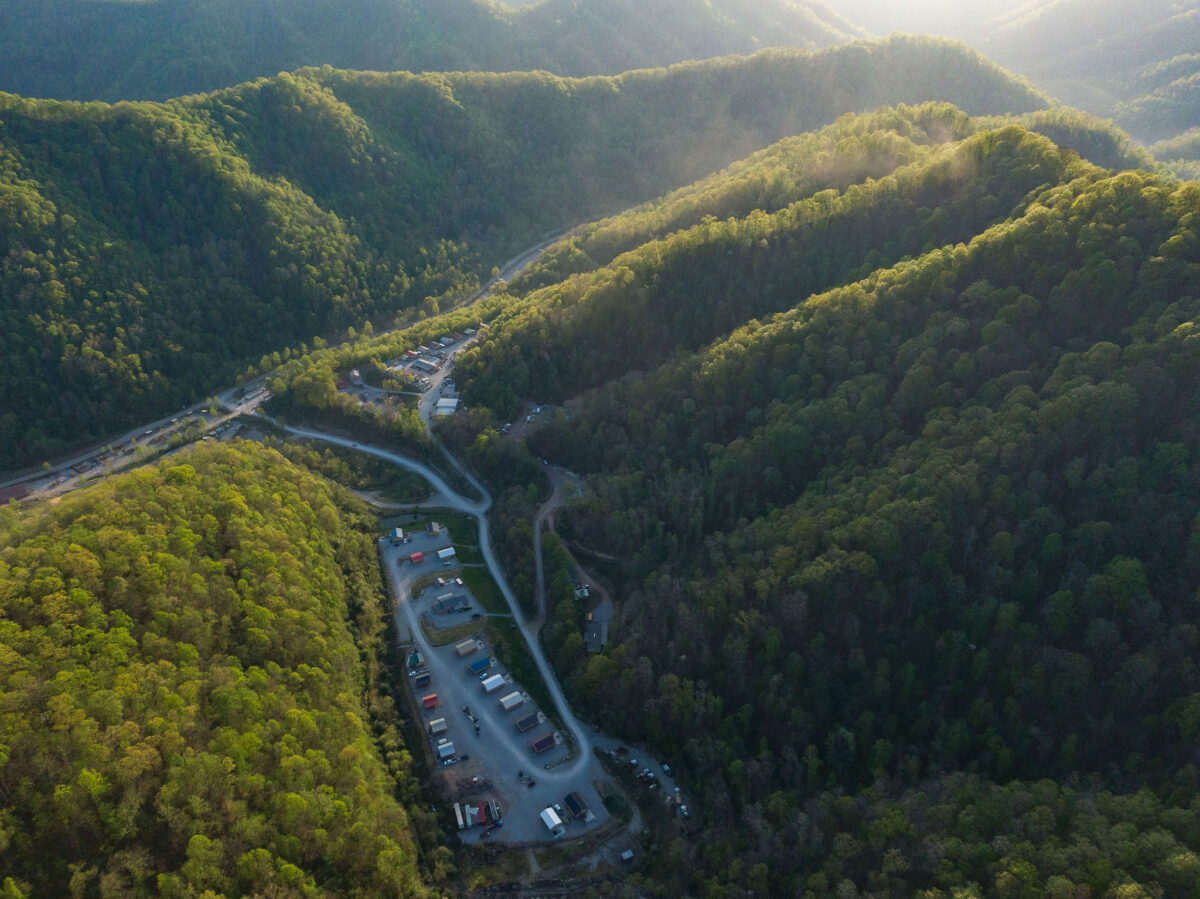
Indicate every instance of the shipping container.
{"type": "Point", "coordinates": [417, 558]}
{"type": "Point", "coordinates": [430, 701]}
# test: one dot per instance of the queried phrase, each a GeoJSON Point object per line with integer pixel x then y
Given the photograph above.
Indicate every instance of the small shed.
{"type": "Point", "coordinates": [465, 648]}
{"type": "Point", "coordinates": [444, 555]}
{"type": "Point", "coordinates": [575, 804]}
{"type": "Point", "coordinates": [437, 726]}
{"type": "Point", "coordinates": [445, 750]}
{"type": "Point", "coordinates": [480, 665]}
{"type": "Point", "coordinates": [493, 683]}
{"type": "Point", "coordinates": [553, 823]}
{"type": "Point", "coordinates": [417, 558]}
{"type": "Point", "coordinates": [543, 743]}
{"type": "Point", "coordinates": [511, 701]}
{"type": "Point", "coordinates": [422, 681]}
{"type": "Point", "coordinates": [529, 722]}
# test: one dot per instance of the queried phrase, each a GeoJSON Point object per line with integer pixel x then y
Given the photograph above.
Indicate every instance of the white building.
{"type": "Point", "coordinates": [553, 823]}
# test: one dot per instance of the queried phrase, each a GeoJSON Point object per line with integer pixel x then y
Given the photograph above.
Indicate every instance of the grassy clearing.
{"type": "Point", "coordinates": [464, 531]}
{"type": "Point", "coordinates": [444, 636]}
{"type": "Point", "coordinates": [481, 866]}
{"type": "Point", "coordinates": [484, 588]}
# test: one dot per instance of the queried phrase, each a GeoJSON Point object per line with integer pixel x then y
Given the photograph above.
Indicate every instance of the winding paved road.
{"type": "Point", "coordinates": [478, 511]}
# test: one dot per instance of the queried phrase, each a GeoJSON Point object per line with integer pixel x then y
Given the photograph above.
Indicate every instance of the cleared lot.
{"type": "Point", "coordinates": [497, 752]}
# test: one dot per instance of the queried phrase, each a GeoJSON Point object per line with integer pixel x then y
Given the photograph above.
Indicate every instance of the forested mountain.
{"type": "Point", "coordinates": [190, 658]}
{"type": "Point", "coordinates": [893, 435]}
{"type": "Point", "coordinates": [155, 49]}
{"type": "Point", "coordinates": [1137, 63]}
{"type": "Point", "coordinates": [150, 252]}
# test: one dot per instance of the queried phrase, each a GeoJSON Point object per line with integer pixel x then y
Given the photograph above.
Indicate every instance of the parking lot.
{"type": "Point", "coordinates": [487, 744]}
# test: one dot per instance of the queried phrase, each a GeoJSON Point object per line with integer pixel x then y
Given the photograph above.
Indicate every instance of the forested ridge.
{"type": "Point", "coordinates": [803, 215]}
{"type": "Point", "coordinates": [907, 556]}
{"type": "Point", "coordinates": [150, 252]}
{"type": "Point", "coordinates": [192, 699]}
{"type": "Point", "coordinates": [155, 49]}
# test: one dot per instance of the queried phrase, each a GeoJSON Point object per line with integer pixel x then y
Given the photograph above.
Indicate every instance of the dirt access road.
{"type": "Point", "coordinates": [600, 601]}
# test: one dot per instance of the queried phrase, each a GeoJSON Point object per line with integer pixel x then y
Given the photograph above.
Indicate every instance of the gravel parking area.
{"type": "Point", "coordinates": [486, 741]}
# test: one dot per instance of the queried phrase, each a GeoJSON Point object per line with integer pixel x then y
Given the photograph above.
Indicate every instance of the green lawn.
{"type": "Point", "coordinates": [484, 588]}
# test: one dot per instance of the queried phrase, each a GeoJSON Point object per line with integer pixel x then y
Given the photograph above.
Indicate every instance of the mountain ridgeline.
{"type": "Point", "coordinates": [900, 476]}
{"type": "Point", "coordinates": [113, 50]}
{"type": "Point", "coordinates": [150, 252]}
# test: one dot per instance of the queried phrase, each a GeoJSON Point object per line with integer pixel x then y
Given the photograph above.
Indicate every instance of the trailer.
{"type": "Point", "coordinates": [511, 701]}
{"type": "Point", "coordinates": [430, 701]}
{"type": "Point", "coordinates": [480, 665]}
{"type": "Point", "coordinates": [470, 814]}
{"type": "Point", "coordinates": [474, 814]}
{"type": "Point", "coordinates": [493, 683]}
{"type": "Point", "coordinates": [465, 648]}
{"type": "Point", "coordinates": [543, 743]}
{"type": "Point", "coordinates": [437, 726]}
{"type": "Point", "coordinates": [529, 722]}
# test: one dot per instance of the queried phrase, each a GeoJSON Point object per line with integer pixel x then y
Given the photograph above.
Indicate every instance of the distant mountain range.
{"type": "Point", "coordinates": [1137, 63]}
{"type": "Point", "coordinates": [114, 50]}
{"type": "Point", "coordinates": [1142, 70]}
